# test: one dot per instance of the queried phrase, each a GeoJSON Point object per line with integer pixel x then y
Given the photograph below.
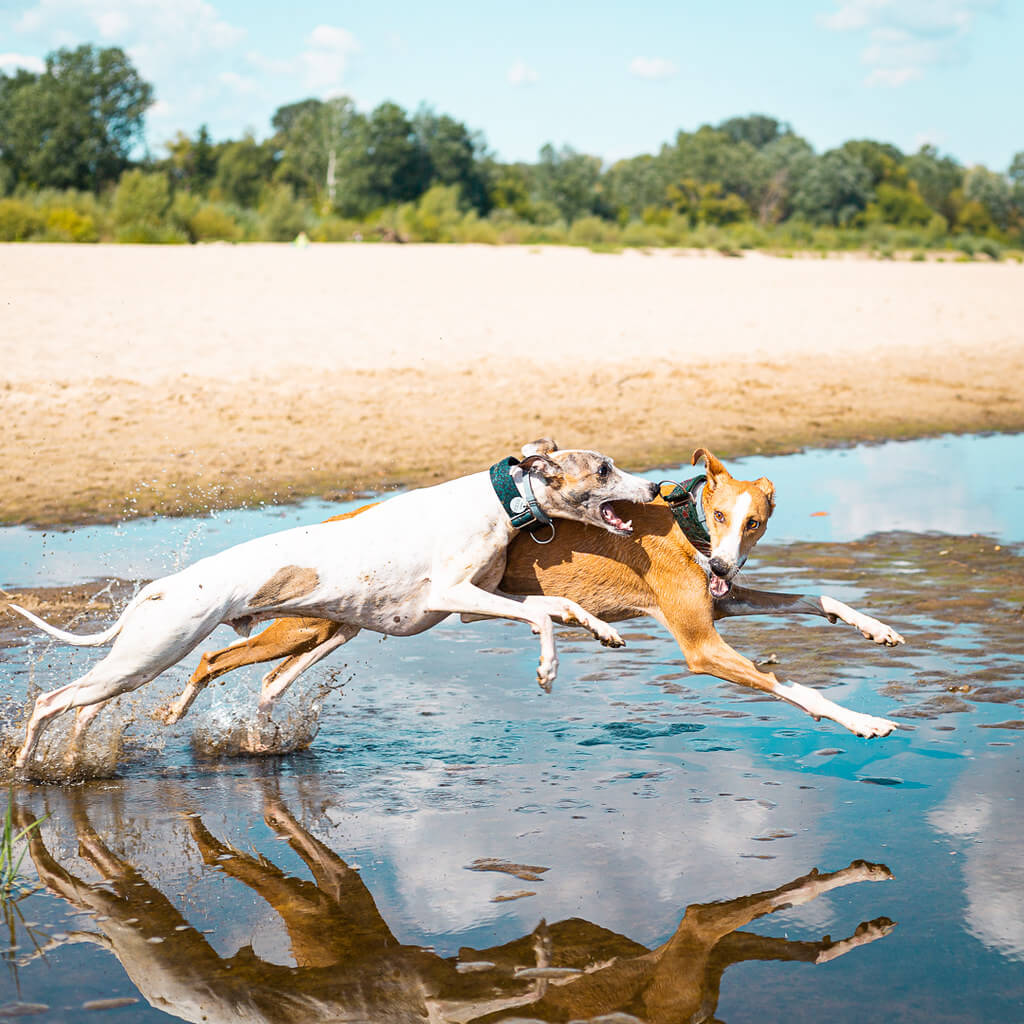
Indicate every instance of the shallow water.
{"type": "Point", "coordinates": [343, 882]}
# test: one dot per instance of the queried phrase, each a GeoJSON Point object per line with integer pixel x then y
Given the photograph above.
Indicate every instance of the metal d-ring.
{"type": "Point", "coordinates": [533, 536]}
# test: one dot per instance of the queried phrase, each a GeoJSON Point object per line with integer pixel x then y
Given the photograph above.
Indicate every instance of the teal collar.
{"type": "Point", "coordinates": [683, 502]}
{"type": "Point", "coordinates": [512, 486]}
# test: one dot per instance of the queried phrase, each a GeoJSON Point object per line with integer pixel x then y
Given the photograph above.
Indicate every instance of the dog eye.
{"type": "Point", "coordinates": [603, 470]}
{"type": "Point", "coordinates": [753, 524]}
{"type": "Point", "coordinates": [719, 518]}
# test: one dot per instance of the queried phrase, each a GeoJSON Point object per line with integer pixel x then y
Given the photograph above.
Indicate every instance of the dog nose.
{"type": "Point", "coordinates": [719, 567]}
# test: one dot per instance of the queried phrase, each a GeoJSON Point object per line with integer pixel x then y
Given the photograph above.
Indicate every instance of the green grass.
{"type": "Point", "coordinates": [10, 856]}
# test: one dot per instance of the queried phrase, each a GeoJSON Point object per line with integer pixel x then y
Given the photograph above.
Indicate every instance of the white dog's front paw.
{"type": "Point", "coordinates": [608, 636]}
{"type": "Point", "coordinates": [867, 726]}
{"type": "Point", "coordinates": [872, 629]}
{"type": "Point", "coordinates": [547, 670]}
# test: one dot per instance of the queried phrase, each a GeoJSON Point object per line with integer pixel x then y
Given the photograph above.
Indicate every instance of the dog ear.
{"type": "Point", "coordinates": [544, 467]}
{"type": "Point", "coordinates": [763, 484]}
{"type": "Point", "coordinates": [542, 446]}
{"type": "Point", "coordinates": [715, 468]}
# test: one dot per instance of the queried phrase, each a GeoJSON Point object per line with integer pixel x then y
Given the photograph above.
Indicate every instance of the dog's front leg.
{"type": "Point", "coordinates": [711, 655]}
{"type": "Point", "coordinates": [572, 614]}
{"type": "Point", "coordinates": [742, 601]}
{"type": "Point", "coordinates": [466, 598]}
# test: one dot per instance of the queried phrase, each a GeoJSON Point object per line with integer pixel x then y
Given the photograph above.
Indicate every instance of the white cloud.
{"type": "Point", "coordinates": [241, 84]}
{"type": "Point", "coordinates": [192, 24]}
{"type": "Point", "coordinates": [655, 68]}
{"type": "Point", "coordinates": [522, 74]}
{"type": "Point", "coordinates": [906, 37]}
{"type": "Point", "coordinates": [325, 57]}
{"type": "Point", "coordinates": [12, 61]}
{"type": "Point", "coordinates": [321, 65]}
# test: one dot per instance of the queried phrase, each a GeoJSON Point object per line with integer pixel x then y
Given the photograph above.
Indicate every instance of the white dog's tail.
{"type": "Point", "coordinates": [92, 640]}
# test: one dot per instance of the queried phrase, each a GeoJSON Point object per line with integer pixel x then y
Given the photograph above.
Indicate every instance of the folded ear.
{"type": "Point", "coordinates": [715, 468]}
{"type": "Point", "coordinates": [544, 467]}
{"type": "Point", "coordinates": [542, 446]}
{"type": "Point", "coordinates": [763, 484]}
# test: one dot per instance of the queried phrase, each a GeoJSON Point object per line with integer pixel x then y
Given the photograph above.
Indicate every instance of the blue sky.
{"type": "Point", "coordinates": [613, 79]}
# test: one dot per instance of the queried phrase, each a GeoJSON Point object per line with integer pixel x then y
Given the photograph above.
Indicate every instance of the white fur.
{"type": "Point", "coordinates": [728, 548]}
{"type": "Point", "coordinates": [870, 628]}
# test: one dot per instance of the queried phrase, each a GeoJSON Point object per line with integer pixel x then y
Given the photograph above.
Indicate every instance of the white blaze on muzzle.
{"type": "Point", "coordinates": [728, 548]}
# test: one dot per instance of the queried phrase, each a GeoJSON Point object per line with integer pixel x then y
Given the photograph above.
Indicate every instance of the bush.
{"type": "Point", "coordinates": [18, 220]}
{"type": "Point", "coordinates": [435, 217]}
{"type": "Point", "coordinates": [283, 216]}
{"type": "Point", "coordinates": [991, 248]}
{"type": "Point", "coordinates": [335, 229]}
{"type": "Point", "coordinates": [147, 234]}
{"type": "Point", "coordinates": [141, 200]}
{"type": "Point", "coordinates": [474, 230]}
{"type": "Point", "coordinates": [64, 224]}
{"type": "Point", "coordinates": [593, 231]}
{"type": "Point", "coordinates": [639, 235]}
{"type": "Point", "coordinates": [211, 223]}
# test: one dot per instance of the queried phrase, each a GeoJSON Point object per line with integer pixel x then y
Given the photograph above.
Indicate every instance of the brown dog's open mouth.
{"type": "Point", "coordinates": [718, 586]}
{"type": "Point", "coordinates": [624, 526]}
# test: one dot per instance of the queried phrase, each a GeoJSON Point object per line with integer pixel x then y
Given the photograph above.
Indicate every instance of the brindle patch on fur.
{"type": "Point", "coordinates": [285, 585]}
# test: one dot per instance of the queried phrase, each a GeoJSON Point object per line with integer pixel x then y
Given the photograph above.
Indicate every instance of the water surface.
{"type": "Point", "coordinates": [402, 866]}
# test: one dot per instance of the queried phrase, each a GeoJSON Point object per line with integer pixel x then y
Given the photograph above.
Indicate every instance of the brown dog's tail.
{"type": "Point", "coordinates": [92, 640]}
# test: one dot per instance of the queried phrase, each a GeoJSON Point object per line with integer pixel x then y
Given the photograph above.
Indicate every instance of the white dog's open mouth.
{"type": "Point", "coordinates": [618, 525]}
{"type": "Point", "coordinates": [718, 586]}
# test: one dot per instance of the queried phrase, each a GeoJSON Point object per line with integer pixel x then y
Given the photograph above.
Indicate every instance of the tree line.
{"type": "Point", "coordinates": [70, 135]}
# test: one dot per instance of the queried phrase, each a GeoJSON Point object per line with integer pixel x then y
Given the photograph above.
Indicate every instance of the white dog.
{"type": "Point", "coordinates": [399, 568]}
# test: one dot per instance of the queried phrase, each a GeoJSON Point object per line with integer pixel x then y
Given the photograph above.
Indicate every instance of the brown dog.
{"type": "Point", "coordinates": [656, 572]}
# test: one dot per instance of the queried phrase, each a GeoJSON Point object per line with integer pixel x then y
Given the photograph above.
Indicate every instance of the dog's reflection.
{"type": "Point", "coordinates": [349, 965]}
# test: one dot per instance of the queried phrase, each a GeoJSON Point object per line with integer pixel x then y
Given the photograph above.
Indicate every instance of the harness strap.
{"type": "Point", "coordinates": [682, 500]}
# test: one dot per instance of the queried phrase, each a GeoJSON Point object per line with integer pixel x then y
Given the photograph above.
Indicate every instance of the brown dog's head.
{"type": "Point", "coordinates": [579, 484]}
{"type": "Point", "coordinates": [736, 513]}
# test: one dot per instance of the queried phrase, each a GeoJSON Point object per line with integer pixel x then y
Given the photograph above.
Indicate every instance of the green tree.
{"type": "Point", "coordinates": [937, 179]}
{"type": "Point", "coordinates": [192, 163]}
{"type": "Point", "coordinates": [395, 167]}
{"type": "Point", "coordinates": [779, 169]}
{"type": "Point", "coordinates": [993, 192]}
{"type": "Point", "coordinates": [322, 149]}
{"type": "Point", "coordinates": [75, 124]}
{"type": "Point", "coordinates": [757, 129]}
{"type": "Point", "coordinates": [634, 185]}
{"type": "Point", "coordinates": [836, 188]}
{"type": "Point", "coordinates": [569, 180]}
{"type": "Point", "coordinates": [243, 168]}
{"type": "Point", "coordinates": [453, 155]}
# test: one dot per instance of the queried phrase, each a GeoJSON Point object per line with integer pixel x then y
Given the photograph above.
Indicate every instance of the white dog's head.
{"type": "Point", "coordinates": [579, 484]}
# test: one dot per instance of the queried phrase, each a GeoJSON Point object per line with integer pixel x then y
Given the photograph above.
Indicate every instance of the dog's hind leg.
{"type": "Point", "coordinates": [151, 641]}
{"type": "Point", "coordinates": [278, 679]}
{"type": "Point", "coordinates": [741, 601]}
{"type": "Point", "coordinates": [284, 638]}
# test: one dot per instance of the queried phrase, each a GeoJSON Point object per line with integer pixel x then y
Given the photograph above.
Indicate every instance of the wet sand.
{"type": "Point", "coordinates": [176, 379]}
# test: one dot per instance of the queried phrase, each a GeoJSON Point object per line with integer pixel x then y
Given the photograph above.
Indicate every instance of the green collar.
{"type": "Point", "coordinates": [516, 497]}
{"type": "Point", "coordinates": [682, 500]}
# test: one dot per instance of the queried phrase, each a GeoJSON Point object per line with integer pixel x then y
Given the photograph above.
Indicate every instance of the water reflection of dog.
{"type": "Point", "coordinates": [350, 966]}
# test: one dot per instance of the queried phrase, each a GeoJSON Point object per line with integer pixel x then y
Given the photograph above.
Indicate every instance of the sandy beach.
{"type": "Point", "coordinates": [175, 379]}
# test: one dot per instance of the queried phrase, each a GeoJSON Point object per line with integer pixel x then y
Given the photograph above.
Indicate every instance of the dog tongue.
{"type": "Point", "coordinates": [718, 586]}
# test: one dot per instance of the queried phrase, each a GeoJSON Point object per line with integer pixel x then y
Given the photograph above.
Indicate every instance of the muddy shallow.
{"type": "Point", "coordinates": [402, 865]}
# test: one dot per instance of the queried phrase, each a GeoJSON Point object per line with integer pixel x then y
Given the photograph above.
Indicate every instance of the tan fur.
{"type": "Point", "coordinates": [286, 584]}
